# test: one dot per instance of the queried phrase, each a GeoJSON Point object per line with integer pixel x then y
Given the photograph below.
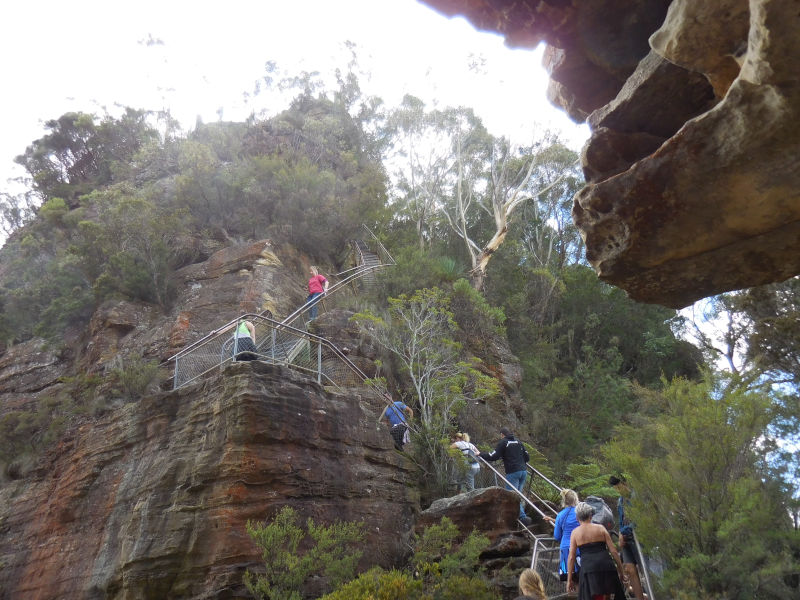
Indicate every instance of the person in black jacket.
{"type": "Point", "coordinates": [515, 459]}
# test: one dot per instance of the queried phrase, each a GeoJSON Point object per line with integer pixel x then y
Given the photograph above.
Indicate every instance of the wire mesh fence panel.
{"type": "Point", "coordinates": [205, 357]}
{"type": "Point", "coordinates": [274, 342]}
{"type": "Point", "coordinates": [547, 556]}
{"type": "Point", "coordinates": [487, 478]}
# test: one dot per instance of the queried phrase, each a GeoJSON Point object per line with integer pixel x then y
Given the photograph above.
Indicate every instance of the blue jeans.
{"type": "Point", "coordinates": [468, 481]}
{"type": "Point", "coordinates": [315, 308]}
{"type": "Point", "coordinates": [517, 479]}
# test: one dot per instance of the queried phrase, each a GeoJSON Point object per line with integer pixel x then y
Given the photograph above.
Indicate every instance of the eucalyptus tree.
{"type": "Point", "coordinates": [773, 316]}
{"type": "Point", "coordinates": [542, 177]}
{"type": "Point", "coordinates": [419, 159]}
{"type": "Point", "coordinates": [78, 153]}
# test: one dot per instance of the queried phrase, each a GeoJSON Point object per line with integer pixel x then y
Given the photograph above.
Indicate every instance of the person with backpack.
{"type": "Point", "coordinates": [395, 415]}
{"type": "Point", "coordinates": [515, 459]}
{"type": "Point", "coordinates": [461, 442]}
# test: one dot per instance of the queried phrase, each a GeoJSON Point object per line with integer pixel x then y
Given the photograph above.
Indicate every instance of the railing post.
{"type": "Point", "coordinates": [319, 363]}
{"type": "Point", "coordinates": [644, 567]}
{"type": "Point", "coordinates": [175, 375]}
{"type": "Point", "coordinates": [273, 346]}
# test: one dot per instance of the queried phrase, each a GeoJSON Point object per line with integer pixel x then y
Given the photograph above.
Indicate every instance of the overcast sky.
{"type": "Point", "coordinates": [204, 58]}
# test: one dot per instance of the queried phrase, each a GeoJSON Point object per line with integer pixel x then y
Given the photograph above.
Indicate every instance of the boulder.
{"type": "Point", "coordinates": [492, 511]}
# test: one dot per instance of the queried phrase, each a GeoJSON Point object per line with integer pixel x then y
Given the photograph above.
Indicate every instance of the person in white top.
{"type": "Point", "coordinates": [470, 452]}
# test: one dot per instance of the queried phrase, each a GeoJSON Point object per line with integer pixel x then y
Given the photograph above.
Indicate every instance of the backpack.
{"type": "Point", "coordinates": [602, 513]}
{"type": "Point", "coordinates": [469, 453]}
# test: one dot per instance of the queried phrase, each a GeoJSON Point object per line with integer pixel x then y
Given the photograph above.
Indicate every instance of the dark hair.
{"type": "Point", "coordinates": [505, 431]}
{"type": "Point", "coordinates": [614, 480]}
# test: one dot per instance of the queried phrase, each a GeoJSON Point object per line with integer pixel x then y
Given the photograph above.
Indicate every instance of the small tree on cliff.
{"type": "Point", "coordinates": [331, 553]}
{"type": "Point", "coordinates": [418, 331]}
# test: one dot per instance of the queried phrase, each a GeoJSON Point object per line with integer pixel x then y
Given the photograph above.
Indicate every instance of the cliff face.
{"type": "Point", "coordinates": [152, 501]}
{"type": "Point", "coordinates": [692, 169]}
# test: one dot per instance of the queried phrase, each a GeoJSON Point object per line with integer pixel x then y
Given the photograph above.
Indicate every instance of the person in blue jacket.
{"type": "Point", "coordinates": [565, 522]}
{"type": "Point", "coordinates": [515, 459]}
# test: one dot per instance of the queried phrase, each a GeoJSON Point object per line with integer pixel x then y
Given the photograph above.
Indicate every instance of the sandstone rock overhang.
{"type": "Point", "coordinates": [692, 168]}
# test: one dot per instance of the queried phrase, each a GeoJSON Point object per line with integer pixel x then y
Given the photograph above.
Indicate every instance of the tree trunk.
{"type": "Point", "coordinates": [479, 272]}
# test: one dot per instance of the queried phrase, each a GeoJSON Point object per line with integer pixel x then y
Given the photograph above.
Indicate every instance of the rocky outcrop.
{"type": "Point", "coordinates": [493, 512]}
{"type": "Point", "coordinates": [152, 501]}
{"type": "Point", "coordinates": [247, 278]}
{"type": "Point", "coordinates": [235, 280]}
{"type": "Point", "coordinates": [693, 181]}
{"type": "Point", "coordinates": [30, 367]}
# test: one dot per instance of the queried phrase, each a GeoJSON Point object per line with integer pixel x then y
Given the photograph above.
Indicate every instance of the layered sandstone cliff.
{"type": "Point", "coordinates": [693, 166]}
{"type": "Point", "coordinates": [152, 500]}
{"type": "Point", "coordinates": [149, 498]}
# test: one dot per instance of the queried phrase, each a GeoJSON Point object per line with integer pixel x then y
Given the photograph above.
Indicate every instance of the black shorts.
{"type": "Point", "coordinates": [245, 349]}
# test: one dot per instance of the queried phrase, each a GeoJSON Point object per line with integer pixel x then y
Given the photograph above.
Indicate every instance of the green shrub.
{"type": "Point", "coordinates": [377, 584]}
{"type": "Point", "coordinates": [443, 569]}
{"type": "Point", "coordinates": [136, 377]}
{"type": "Point", "coordinates": [331, 553]}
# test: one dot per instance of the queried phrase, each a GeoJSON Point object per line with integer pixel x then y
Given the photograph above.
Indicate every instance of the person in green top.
{"type": "Point", "coordinates": [245, 341]}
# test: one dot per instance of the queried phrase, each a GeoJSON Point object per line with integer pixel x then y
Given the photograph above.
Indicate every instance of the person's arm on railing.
{"type": "Point", "coordinates": [495, 454]}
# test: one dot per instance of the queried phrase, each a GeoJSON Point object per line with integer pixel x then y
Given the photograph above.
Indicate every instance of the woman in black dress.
{"type": "Point", "coordinates": [601, 568]}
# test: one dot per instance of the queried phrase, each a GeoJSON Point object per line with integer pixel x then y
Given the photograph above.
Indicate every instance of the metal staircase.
{"type": "Point", "coordinates": [546, 550]}
{"type": "Point", "coordinates": [284, 342]}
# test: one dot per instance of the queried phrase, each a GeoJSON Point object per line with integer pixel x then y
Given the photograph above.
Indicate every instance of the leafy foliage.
{"type": "Point", "coordinates": [418, 333]}
{"type": "Point", "coordinates": [79, 154]}
{"type": "Point", "coordinates": [136, 376]}
{"type": "Point", "coordinates": [331, 552]}
{"type": "Point", "coordinates": [443, 570]}
{"type": "Point", "coordinates": [704, 493]}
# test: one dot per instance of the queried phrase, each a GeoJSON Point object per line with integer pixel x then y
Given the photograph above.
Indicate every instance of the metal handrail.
{"type": "Point", "coordinates": [512, 488]}
{"type": "Point", "coordinates": [382, 247]}
{"type": "Point", "coordinates": [362, 270]}
{"type": "Point", "coordinates": [644, 567]}
{"type": "Point", "coordinates": [540, 474]}
{"type": "Point", "coordinates": [356, 272]}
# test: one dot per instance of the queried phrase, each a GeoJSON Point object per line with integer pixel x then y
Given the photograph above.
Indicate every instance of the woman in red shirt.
{"type": "Point", "coordinates": [317, 286]}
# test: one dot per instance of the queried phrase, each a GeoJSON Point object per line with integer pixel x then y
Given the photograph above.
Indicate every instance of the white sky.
{"type": "Point", "coordinates": [89, 55]}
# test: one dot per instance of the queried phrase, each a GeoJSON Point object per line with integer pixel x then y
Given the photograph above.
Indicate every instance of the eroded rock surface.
{"type": "Point", "coordinates": [693, 174]}
{"type": "Point", "coordinates": [152, 501]}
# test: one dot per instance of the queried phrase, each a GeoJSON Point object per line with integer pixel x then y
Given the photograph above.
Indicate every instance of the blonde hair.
{"type": "Point", "coordinates": [568, 498]}
{"type": "Point", "coordinates": [462, 436]}
{"type": "Point", "coordinates": [530, 584]}
{"type": "Point", "coordinates": [314, 270]}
